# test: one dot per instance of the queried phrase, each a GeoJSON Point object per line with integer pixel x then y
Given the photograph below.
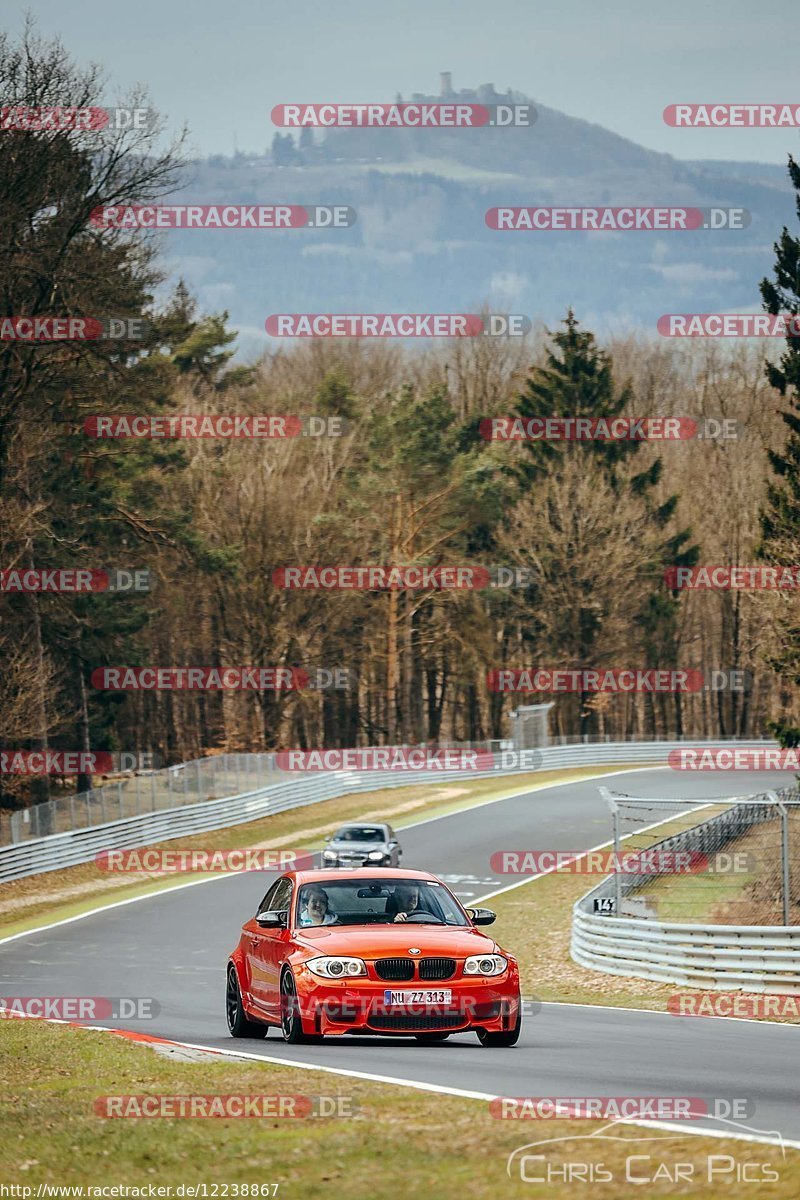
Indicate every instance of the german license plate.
{"type": "Point", "coordinates": [426, 996]}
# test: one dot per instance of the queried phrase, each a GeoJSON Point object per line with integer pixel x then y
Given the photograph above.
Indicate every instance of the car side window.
{"type": "Point", "coordinates": [281, 895]}
{"type": "Point", "coordinates": [264, 906]}
{"type": "Point", "coordinates": [277, 898]}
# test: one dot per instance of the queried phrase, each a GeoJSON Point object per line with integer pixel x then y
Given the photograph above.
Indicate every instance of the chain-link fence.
{"type": "Point", "coordinates": [149, 791]}
{"type": "Point", "coordinates": [715, 862]}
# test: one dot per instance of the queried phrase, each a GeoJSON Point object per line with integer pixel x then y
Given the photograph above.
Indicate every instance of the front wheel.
{"type": "Point", "coordinates": [506, 1037]}
{"type": "Point", "coordinates": [291, 1024]}
{"type": "Point", "coordinates": [239, 1024]}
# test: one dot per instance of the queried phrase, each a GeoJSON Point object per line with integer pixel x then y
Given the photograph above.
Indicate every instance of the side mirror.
{"type": "Point", "coordinates": [271, 919]}
{"type": "Point", "coordinates": [481, 916]}
{"type": "Point", "coordinates": [326, 840]}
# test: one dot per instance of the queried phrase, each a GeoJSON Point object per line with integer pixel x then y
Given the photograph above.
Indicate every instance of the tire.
{"type": "Point", "coordinates": [429, 1039]}
{"type": "Point", "coordinates": [239, 1024]}
{"type": "Point", "coordinates": [291, 1023]}
{"type": "Point", "coordinates": [508, 1037]}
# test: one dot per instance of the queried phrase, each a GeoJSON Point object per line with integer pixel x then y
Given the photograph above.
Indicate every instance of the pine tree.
{"type": "Point", "coordinates": [577, 381]}
{"type": "Point", "coordinates": [780, 520]}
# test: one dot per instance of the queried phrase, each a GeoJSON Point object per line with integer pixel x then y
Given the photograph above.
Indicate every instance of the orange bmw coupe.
{"type": "Point", "coordinates": [370, 952]}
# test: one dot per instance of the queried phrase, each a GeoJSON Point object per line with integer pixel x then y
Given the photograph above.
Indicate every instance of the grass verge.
{"type": "Point", "coordinates": [400, 1142]}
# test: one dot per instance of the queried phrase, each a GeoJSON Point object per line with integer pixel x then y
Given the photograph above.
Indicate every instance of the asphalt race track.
{"type": "Point", "coordinates": [173, 947]}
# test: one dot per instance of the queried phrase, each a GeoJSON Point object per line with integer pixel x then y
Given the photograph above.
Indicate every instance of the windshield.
{"type": "Point", "coordinates": [360, 833]}
{"type": "Point", "coordinates": [377, 902]}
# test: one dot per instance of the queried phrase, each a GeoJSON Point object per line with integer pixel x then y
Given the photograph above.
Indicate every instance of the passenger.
{"type": "Point", "coordinates": [316, 910]}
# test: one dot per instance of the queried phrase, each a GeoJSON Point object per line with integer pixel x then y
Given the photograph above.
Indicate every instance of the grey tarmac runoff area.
{"type": "Point", "coordinates": [173, 947]}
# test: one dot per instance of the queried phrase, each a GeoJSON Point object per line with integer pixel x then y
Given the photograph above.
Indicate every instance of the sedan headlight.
{"type": "Point", "coordinates": [330, 967]}
{"type": "Point", "coordinates": [485, 964]}
{"type": "Point", "coordinates": [376, 855]}
{"type": "Point", "coordinates": [329, 856]}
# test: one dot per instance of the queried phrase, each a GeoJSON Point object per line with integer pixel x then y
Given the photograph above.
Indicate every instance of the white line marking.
{"type": "Point", "coordinates": [582, 853]}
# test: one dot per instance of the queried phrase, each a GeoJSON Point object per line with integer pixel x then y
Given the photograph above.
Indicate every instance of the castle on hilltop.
{"type": "Point", "coordinates": [485, 94]}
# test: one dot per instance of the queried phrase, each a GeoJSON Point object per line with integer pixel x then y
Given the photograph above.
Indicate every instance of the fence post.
{"type": "Point", "coordinates": [782, 809]}
{"type": "Point", "coordinates": [612, 804]}
{"type": "Point", "coordinates": [785, 860]}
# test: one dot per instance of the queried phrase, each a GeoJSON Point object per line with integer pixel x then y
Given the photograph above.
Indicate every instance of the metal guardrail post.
{"type": "Point", "coordinates": [617, 852]}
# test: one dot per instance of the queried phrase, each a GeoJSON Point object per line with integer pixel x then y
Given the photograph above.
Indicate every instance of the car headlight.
{"type": "Point", "coordinates": [376, 855]}
{"type": "Point", "coordinates": [329, 856]}
{"type": "Point", "coordinates": [485, 964]}
{"type": "Point", "coordinates": [330, 967]}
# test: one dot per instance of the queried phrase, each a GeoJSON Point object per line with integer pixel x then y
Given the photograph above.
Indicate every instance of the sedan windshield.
{"type": "Point", "coordinates": [377, 902]}
{"type": "Point", "coordinates": [360, 833]}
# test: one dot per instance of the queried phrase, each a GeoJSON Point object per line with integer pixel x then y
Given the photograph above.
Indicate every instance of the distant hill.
{"type": "Point", "coordinates": [421, 242]}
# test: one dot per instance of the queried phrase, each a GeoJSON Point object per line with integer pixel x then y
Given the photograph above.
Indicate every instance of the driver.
{"type": "Point", "coordinates": [316, 908]}
{"type": "Point", "coordinates": [407, 900]}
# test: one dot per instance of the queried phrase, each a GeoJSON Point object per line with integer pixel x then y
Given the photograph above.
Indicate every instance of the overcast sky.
{"type": "Point", "coordinates": [222, 66]}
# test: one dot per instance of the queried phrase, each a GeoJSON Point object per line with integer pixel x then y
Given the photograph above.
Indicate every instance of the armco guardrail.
{"type": "Point", "coordinates": [756, 958]}
{"type": "Point", "coordinates": [76, 846]}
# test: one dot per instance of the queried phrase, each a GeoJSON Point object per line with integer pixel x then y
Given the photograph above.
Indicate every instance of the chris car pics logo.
{"type": "Point", "coordinates": [618, 1153]}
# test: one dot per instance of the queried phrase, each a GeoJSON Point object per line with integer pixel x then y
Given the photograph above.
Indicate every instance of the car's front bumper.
{"type": "Point", "coordinates": [359, 1005]}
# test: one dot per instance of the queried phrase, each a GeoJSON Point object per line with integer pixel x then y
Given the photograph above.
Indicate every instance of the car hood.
{"type": "Point", "coordinates": [382, 941]}
{"type": "Point", "coordinates": [360, 846]}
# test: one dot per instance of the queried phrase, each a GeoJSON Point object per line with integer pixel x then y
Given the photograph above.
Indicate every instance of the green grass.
{"type": "Point", "coordinates": [400, 1142]}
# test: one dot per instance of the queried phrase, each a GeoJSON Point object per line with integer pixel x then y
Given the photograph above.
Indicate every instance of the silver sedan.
{"type": "Point", "coordinates": [362, 845]}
